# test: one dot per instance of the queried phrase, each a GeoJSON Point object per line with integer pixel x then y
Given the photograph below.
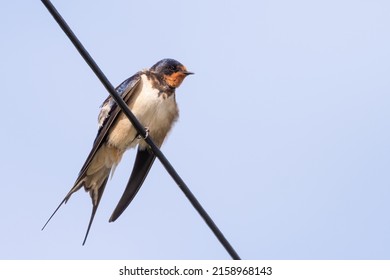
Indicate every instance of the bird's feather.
{"type": "Point", "coordinates": [126, 90]}
{"type": "Point", "coordinates": [108, 115]}
{"type": "Point", "coordinates": [143, 162]}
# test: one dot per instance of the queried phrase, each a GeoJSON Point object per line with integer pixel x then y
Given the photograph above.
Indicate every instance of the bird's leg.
{"type": "Point", "coordinates": [147, 134]}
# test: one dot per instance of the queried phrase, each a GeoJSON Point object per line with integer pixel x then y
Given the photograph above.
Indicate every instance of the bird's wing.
{"type": "Point", "coordinates": [107, 117]}
{"type": "Point", "coordinates": [108, 114]}
{"type": "Point", "coordinates": [143, 162]}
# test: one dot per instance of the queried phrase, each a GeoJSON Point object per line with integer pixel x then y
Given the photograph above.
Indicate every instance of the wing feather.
{"type": "Point", "coordinates": [107, 117]}
{"type": "Point", "coordinates": [143, 162]}
{"type": "Point", "coordinates": [126, 90]}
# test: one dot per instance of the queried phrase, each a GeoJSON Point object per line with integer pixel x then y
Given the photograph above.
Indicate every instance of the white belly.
{"type": "Point", "coordinates": [153, 111]}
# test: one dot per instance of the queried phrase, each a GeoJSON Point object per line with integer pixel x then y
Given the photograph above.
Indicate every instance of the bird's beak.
{"type": "Point", "coordinates": [188, 73]}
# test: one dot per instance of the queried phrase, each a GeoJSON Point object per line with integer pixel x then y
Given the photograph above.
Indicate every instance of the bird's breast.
{"type": "Point", "coordinates": [154, 109]}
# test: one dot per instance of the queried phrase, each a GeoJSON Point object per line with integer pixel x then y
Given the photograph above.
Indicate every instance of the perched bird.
{"type": "Point", "coordinates": [150, 95]}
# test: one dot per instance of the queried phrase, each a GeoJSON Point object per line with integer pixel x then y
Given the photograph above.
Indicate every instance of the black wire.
{"type": "Point", "coordinates": [141, 130]}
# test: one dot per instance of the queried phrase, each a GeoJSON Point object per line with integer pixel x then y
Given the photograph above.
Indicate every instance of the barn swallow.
{"type": "Point", "coordinates": [150, 95]}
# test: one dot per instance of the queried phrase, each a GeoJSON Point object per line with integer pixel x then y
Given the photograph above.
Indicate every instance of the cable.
{"type": "Point", "coordinates": [141, 130]}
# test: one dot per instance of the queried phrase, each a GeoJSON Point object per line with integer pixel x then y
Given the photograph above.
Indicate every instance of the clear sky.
{"type": "Point", "coordinates": [283, 133]}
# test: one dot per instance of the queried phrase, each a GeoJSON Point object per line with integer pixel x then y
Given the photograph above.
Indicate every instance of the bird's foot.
{"type": "Point", "coordinates": [146, 135]}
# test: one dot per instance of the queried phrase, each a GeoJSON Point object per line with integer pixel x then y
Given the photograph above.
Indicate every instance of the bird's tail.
{"type": "Point", "coordinates": [93, 183]}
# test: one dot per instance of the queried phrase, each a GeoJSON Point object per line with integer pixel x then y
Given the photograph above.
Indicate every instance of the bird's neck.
{"type": "Point", "coordinates": [158, 82]}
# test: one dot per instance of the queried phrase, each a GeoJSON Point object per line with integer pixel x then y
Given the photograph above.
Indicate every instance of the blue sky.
{"type": "Point", "coordinates": [283, 133]}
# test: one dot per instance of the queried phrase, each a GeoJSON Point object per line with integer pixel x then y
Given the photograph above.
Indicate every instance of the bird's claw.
{"type": "Point", "coordinates": [146, 135]}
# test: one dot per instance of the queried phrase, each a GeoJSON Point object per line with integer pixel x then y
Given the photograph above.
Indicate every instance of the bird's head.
{"type": "Point", "coordinates": [172, 71]}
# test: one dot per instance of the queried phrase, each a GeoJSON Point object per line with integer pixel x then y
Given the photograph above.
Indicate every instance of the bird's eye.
{"type": "Point", "coordinates": [170, 70]}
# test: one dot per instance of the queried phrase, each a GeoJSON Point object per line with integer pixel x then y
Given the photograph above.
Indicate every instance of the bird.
{"type": "Point", "coordinates": [150, 95]}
